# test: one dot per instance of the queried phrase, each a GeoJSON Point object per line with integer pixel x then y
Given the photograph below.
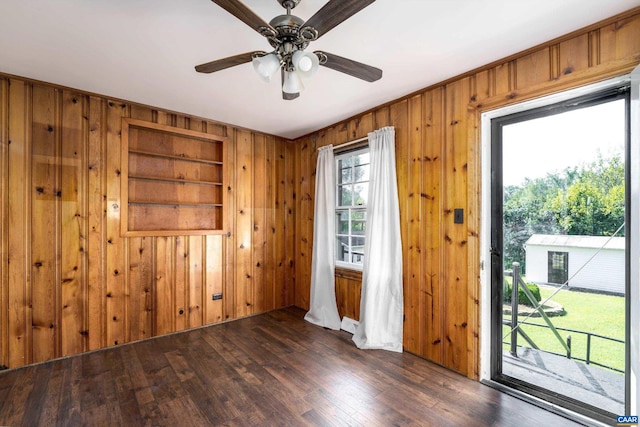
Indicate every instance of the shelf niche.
{"type": "Point", "coordinates": [173, 180]}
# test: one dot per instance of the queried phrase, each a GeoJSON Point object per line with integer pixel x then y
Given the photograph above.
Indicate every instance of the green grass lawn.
{"type": "Point", "coordinates": [589, 312]}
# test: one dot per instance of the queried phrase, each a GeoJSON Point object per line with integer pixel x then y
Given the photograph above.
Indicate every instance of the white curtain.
{"type": "Point", "coordinates": [381, 305]}
{"type": "Point", "coordinates": [323, 308]}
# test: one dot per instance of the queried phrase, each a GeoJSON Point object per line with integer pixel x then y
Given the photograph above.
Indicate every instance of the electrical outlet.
{"type": "Point", "coordinates": [216, 296]}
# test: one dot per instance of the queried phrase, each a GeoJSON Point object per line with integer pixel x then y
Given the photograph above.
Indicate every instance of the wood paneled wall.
{"type": "Point", "coordinates": [70, 283]}
{"type": "Point", "coordinates": [438, 167]}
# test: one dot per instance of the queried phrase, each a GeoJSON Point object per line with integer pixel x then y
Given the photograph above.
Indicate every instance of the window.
{"type": "Point", "coordinates": [352, 190]}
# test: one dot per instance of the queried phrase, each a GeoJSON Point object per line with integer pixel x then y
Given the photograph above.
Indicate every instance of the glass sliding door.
{"type": "Point", "coordinates": [559, 253]}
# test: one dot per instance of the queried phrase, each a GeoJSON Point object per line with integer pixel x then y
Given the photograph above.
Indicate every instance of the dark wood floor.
{"type": "Point", "coordinates": [272, 369]}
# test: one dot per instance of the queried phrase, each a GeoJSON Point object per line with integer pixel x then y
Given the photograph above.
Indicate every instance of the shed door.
{"type": "Point", "coordinates": [558, 270]}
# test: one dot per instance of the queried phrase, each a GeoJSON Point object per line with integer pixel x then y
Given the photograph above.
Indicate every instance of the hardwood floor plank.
{"type": "Point", "coordinates": [179, 365]}
{"type": "Point", "coordinates": [36, 407]}
{"type": "Point", "coordinates": [271, 369]}
{"type": "Point", "coordinates": [19, 397]}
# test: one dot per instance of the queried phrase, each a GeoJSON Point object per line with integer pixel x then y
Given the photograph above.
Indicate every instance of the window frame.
{"type": "Point", "coordinates": [350, 209]}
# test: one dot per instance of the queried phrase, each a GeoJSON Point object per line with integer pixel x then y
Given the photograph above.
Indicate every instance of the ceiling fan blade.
{"type": "Point", "coordinates": [243, 13]}
{"type": "Point", "coordinates": [335, 12]}
{"type": "Point", "coordinates": [231, 61]}
{"type": "Point", "coordinates": [349, 66]}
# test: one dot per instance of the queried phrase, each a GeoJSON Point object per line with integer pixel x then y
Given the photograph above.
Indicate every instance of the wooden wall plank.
{"type": "Point", "coordinates": [244, 224]}
{"type": "Point", "coordinates": [259, 238]}
{"type": "Point", "coordinates": [381, 118]}
{"type": "Point", "coordinates": [164, 284]}
{"type": "Point", "coordinates": [360, 126]}
{"type": "Point", "coordinates": [348, 292]}
{"type": "Point", "coordinates": [342, 297]}
{"type": "Point", "coordinates": [280, 234]}
{"type": "Point", "coordinates": [140, 112]}
{"type": "Point", "coordinates": [270, 236]}
{"type": "Point", "coordinates": [45, 196]}
{"type": "Point", "coordinates": [229, 298]}
{"type": "Point", "coordinates": [574, 54]}
{"type": "Point", "coordinates": [472, 219]}
{"type": "Point", "coordinates": [196, 273]}
{"type": "Point", "coordinates": [4, 220]}
{"type": "Point", "coordinates": [503, 78]}
{"type": "Point", "coordinates": [140, 276]}
{"type": "Point", "coordinates": [115, 248]}
{"type": "Point", "coordinates": [214, 278]}
{"type": "Point", "coordinates": [414, 282]}
{"type": "Point", "coordinates": [302, 287]}
{"type": "Point", "coordinates": [289, 292]}
{"type": "Point", "coordinates": [96, 211]}
{"type": "Point", "coordinates": [180, 283]}
{"type": "Point", "coordinates": [194, 290]}
{"type": "Point", "coordinates": [485, 86]}
{"type": "Point", "coordinates": [19, 225]}
{"type": "Point", "coordinates": [74, 222]}
{"type": "Point", "coordinates": [626, 36]}
{"type": "Point", "coordinates": [455, 238]}
{"type": "Point", "coordinates": [432, 233]}
{"type": "Point", "coordinates": [533, 68]}
{"type": "Point", "coordinates": [304, 210]}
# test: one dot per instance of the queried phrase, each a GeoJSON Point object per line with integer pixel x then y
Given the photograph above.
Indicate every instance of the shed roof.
{"type": "Point", "coordinates": [616, 243]}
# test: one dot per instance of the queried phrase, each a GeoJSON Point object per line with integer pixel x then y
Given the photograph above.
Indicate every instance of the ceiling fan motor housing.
{"type": "Point", "coordinates": [287, 26]}
{"type": "Point", "coordinates": [290, 36]}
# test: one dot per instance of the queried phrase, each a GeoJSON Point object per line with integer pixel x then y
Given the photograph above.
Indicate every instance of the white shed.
{"type": "Point", "coordinates": [556, 259]}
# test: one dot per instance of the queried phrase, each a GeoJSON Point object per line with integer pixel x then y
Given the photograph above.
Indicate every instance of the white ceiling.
{"type": "Point", "coordinates": [145, 50]}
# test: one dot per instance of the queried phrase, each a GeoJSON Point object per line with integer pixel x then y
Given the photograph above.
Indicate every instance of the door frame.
{"type": "Point", "coordinates": [487, 347]}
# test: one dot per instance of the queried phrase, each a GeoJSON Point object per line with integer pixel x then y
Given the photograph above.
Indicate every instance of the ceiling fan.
{"type": "Point", "coordinates": [290, 36]}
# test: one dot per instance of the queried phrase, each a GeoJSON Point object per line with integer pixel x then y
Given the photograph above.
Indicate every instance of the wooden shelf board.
{"type": "Point", "coordinates": [176, 205]}
{"type": "Point", "coordinates": [185, 232]}
{"type": "Point", "coordinates": [174, 180]}
{"type": "Point", "coordinates": [175, 157]}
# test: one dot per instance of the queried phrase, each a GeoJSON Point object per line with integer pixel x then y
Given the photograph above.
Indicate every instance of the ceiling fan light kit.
{"type": "Point", "coordinates": [305, 63]}
{"type": "Point", "coordinates": [289, 36]}
{"type": "Point", "coordinates": [292, 83]}
{"type": "Point", "coordinates": [266, 66]}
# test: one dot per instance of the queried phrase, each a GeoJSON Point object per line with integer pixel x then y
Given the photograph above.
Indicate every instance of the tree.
{"type": "Point", "coordinates": [525, 213]}
{"type": "Point", "coordinates": [589, 200]}
{"type": "Point", "coordinates": [594, 204]}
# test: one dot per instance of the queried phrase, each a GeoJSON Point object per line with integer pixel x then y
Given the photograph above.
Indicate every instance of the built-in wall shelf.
{"type": "Point", "coordinates": [173, 180]}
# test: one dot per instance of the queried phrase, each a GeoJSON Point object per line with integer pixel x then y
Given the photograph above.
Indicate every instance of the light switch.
{"type": "Point", "coordinates": [458, 216]}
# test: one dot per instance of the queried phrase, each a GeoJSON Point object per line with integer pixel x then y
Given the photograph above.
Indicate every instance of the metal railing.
{"type": "Point", "coordinates": [587, 359]}
{"type": "Point", "coordinates": [518, 283]}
